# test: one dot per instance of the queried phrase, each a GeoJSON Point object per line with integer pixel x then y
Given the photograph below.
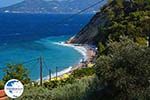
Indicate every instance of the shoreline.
{"type": "Point", "coordinates": [85, 50]}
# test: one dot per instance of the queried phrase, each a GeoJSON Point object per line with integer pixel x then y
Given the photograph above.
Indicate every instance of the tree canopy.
{"type": "Point", "coordinates": [16, 71]}
{"type": "Point", "coordinates": [127, 17]}
{"type": "Point", "coordinates": [125, 70]}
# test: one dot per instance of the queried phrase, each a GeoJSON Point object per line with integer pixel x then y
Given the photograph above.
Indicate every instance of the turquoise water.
{"type": "Point", "coordinates": [52, 54]}
{"type": "Point", "coordinates": [26, 37]}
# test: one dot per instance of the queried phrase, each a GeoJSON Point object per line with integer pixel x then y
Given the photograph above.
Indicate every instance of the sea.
{"type": "Point", "coordinates": [26, 37]}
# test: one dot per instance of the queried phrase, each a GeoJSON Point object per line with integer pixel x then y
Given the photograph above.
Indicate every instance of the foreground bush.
{"type": "Point", "coordinates": [1, 85]}
{"type": "Point", "coordinates": [125, 71]}
{"type": "Point", "coordinates": [36, 93]}
{"type": "Point", "coordinates": [75, 91]}
{"type": "Point", "coordinates": [16, 71]}
{"type": "Point", "coordinates": [79, 73]}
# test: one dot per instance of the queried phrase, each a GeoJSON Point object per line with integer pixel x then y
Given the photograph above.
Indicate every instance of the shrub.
{"type": "Point", "coordinates": [75, 91]}
{"type": "Point", "coordinates": [101, 48]}
{"type": "Point", "coordinates": [79, 73]}
{"type": "Point", "coordinates": [56, 83]}
{"type": "Point", "coordinates": [51, 84]}
{"type": "Point", "coordinates": [141, 41]}
{"type": "Point", "coordinates": [125, 71]}
{"type": "Point", "coordinates": [1, 85]}
{"type": "Point", "coordinates": [36, 93]}
{"type": "Point", "coordinates": [16, 71]}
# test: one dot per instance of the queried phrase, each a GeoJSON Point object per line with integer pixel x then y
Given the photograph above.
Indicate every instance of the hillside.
{"type": "Point", "coordinates": [53, 6]}
{"type": "Point", "coordinates": [115, 19]}
{"type": "Point", "coordinates": [89, 34]}
{"type": "Point", "coordinates": [121, 69]}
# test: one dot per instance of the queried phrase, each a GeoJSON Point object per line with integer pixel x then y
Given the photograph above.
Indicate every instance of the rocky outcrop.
{"type": "Point", "coordinates": [90, 33]}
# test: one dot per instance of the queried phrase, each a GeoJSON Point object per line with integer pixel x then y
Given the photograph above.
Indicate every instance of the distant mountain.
{"type": "Point", "coordinates": [53, 6]}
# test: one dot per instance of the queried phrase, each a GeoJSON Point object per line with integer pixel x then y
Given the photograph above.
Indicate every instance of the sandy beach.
{"type": "Point", "coordinates": [88, 53]}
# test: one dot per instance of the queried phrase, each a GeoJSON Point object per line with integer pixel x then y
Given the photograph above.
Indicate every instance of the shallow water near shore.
{"type": "Point", "coordinates": [26, 37]}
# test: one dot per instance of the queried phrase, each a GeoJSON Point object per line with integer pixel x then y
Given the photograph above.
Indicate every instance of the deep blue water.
{"type": "Point", "coordinates": [24, 37]}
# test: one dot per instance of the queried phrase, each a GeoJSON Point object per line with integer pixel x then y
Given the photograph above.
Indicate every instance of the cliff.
{"type": "Point", "coordinates": [90, 33]}
{"type": "Point", "coordinates": [117, 18]}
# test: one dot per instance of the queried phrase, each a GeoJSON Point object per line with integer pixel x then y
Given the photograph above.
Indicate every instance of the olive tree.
{"type": "Point", "coordinates": [125, 70]}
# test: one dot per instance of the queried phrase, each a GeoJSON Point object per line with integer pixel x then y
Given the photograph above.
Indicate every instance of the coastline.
{"type": "Point", "coordinates": [85, 50]}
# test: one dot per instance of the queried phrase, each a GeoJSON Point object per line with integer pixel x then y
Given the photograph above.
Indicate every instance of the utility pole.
{"type": "Point", "coordinates": [56, 72]}
{"type": "Point", "coordinates": [50, 75]}
{"type": "Point", "coordinates": [149, 40]}
{"type": "Point", "coordinates": [41, 70]}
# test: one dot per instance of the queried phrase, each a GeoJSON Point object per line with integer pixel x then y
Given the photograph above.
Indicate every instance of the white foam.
{"type": "Point", "coordinates": [81, 49]}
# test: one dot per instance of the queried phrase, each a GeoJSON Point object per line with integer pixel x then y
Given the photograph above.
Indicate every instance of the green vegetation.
{"type": "Point", "coordinates": [101, 48]}
{"type": "Point", "coordinates": [123, 64]}
{"type": "Point", "coordinates": [55, 83]}
{"type": "Point", "coordinates": [1, 85]}
{"type": "Point", "coordinates": [75, 91]}
{"type": "Point", "coordinates": [36, 93]}
{"type": "Point", "coordinates": [125, 70]}
{"type": "Point", "coordinates": [79, 73]}
{"type": "Point", "coordinates": [122, 69]}
{"type": "Point", "coordinates": [123, 74]}
{"type": "Point", "coordinates": [126, 17]}
{"type": "Point", "coordinates": [16, 71]}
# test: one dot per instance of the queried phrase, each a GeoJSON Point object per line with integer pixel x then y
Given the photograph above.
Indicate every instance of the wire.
{"type": "Point", "coordinates": [1, 68]}
{"type": "Point", "coordinates": [62, 21]}
{"type": "Point", "coordinates": [91, 6]}
{"type": "Point", "coordinates": [29, 61]}
{"type": "Point", "coordinates": [33, 69]}
{"type": "Point", "coordinates": [45, 65]}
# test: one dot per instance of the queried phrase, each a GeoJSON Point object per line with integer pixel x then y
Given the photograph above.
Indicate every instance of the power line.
{"type": "Point", "coordinates": [25, 62]}
{"type": "Point", "coordinates": [62, 21]}
{"type": "Point", "coordinates": [35, 64]}
{"type": "Point", "coordinates": [1, 68]}
{"type": "Point", "coordinates": [29, 61]}
{"type": "Point", "coordinates": [91, 6]}
{"type": "Point", "coordinates": [31, 70]}
{"type": "Point", "coordinates": [48, 69]}
{"type": "Point", "coordinates": [45, 64]}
